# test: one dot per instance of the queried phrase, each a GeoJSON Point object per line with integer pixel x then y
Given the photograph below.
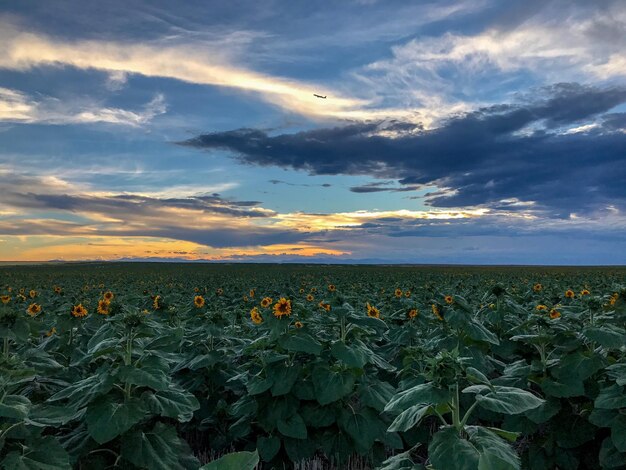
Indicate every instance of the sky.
{"type": "Point", "coordinates": [470, 131]}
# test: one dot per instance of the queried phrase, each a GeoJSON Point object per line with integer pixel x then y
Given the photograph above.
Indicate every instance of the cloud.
{"type": "Point", "coordinates": [511, 151]}
{"type": "Point", "coordinates": [18, 107]}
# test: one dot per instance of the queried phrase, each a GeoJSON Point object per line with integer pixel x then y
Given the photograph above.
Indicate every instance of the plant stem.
{"type": "Point", "coordinates": [6, 347]}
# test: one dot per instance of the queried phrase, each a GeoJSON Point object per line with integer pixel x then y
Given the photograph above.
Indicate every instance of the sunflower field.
{"type": "Point", "coordinates": [188, 366]}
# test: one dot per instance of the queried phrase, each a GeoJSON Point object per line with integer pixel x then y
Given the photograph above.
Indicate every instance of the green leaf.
{"type": "Point", "coordinates": [234, 461]}
{"type": "Point", "coordinates": [478, 332]}
{"type": "Point", "coordinates": [47, 415]}
{"type": "Point", "coordinates": [609, 337]}
{"type": "Point", "coordinates": [410, 417]}
{"type": "Point", "coordinates": [158, 449]}
{"type": "Point", "coordinates": [618, 432]}
{"type": "Point", "coordinates": [14, 406]}
{"type": "Point", "coordinates": [419, 394]}
{"type": "Point", "coordinates": [617, 372]}
{"type": "Point", "coordinates": [611, 398]}
{"type": "Point", "coordinates": [376, 394]}
{"type": "Point", "coordinates": [257, 385]}
{"type": "Point", "coordinates": [172, 403]}
{"type": "Point", "coordinates": [267, 447]}
{"type": "Point", "coordinates": [283, 379]}
{"type": "Point", "coordinates": [495, 453]}
{"type": "Point", "coordinates": [352, 357]}
{"type": "Point", "coordinates": [293, 426]}
{"type": "Point", "coordinates": [145, 376]}
{"type": "Point", "coordinates": [107, 419]}
{"type": "Point", "coordinates": [508, 400]}
{"type": "Point", "coordinates": [301, 342]}
{"type": "Point", "coordinates": [610, 457]}
{"type": "Point", "coordinates": [331, 386]}
{"type": "Point", "coordinates": [362, 427]}
{"type": "Point", "coordinates": [43, 454]}
{"type": "Point", "coordinates": [448, 451]}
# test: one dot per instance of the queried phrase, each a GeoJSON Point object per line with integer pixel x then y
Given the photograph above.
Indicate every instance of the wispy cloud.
{"type": "Point", "coordinates": [19, 107]}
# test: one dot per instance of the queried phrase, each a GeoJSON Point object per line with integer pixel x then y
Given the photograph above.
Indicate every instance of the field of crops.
{"type": "Point", "coordinates": [168, 366]}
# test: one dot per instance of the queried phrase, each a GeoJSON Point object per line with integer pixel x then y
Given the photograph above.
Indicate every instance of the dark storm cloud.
{"type": "Point", "coordinates": [495, 153]}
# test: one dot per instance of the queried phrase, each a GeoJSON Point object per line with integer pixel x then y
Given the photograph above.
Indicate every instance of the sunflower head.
{"type": "Point", "coordinates": [332, 287]}
{"type": "Point", "coordinates": [569, 293]}
{"type": "Point", "coordinates": [537, 287]}
{"type": "Point", "coordinates": [266, 302]}
{"type": "Point", "coordinates": [252, 292]}
{"type": "Point", "coordinates": [157, 302]}
{"type": "Point", "coordinates": [372, 311]}
{"type": "Point", "coordinates": [51, 332]}
{"type": "Point", "coordinates": [436, 312]}
{"type": "Point", "coordinates": [398, 293]}
{"type": "Point", "coordinates": [541, 308]}
{"type": "Point", "coordinates": [554, 314]}
{"type": "Point", "coordinates": [33, 309]}
{"type": "Point", "coordinates": [256, 317]}
{"type": "Point", "coordinates": [323, 305]}
{"type": "Point", "coordinates": [310, 298]}
{"type": "Point", "coordinates": [282, 307]}
{"type": "Point", "coordinates": [298, 324]}
{"type": "Point", "coordinates": [103, 307]}
{"type": "Point", "coordinates": [584, 292]}
{"type": "Point", "coordinates": [78, 311]}
{"type": "Point", "coordinates": [219, 291]}
{"type": "Point", "coordinates": [5, 299]}
{"type": "Point", "coordinates": [412, 313]}
{"type": "Point", "coordinates": [301, 290]}
{"type": "Point", "coordinates": [57, 290]}
{"type": "Point", "coordinates": [198, 301]}
{"type": "Point", "coordinates": [407, 294]}
{"type": "Point", "coordinates": [32, 294]}
{"type": "Point", "coordinates": [449, 299]}
{"type": "Point", "coordinates": [108, 296]}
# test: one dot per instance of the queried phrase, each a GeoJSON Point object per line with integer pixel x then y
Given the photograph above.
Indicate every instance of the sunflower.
{"type": "Point", "coordinates": [412, 313]}
{"type": "Point", "coordinates": [541, 308]}
{"type": "Point", "coordinates": [79, 311]}
{"type": "Point", "coordinates": [372, 311]}
{"type": "Point", "coordinates": [436, 312]}
{"type": "Point", "coordinates": [298, 324]}
{"type": "Point", "coordinates": [22, 290]}
{"type": "Point", "coordinates": [196, 289]}
{"type": "Point", "coordinates": [282, 307]}
{"type": "Point", "coordinates": [613, 299]}
{"type": "Point", "coordinates": [569, 293]}
{"type": "Point", "coordinates": [33, 309]}
{"type": "Point", "coordinates": [332, 287]}
{"type": "Point", "coordinates": [398, 293]}
{"type": "Point", "coordinates": [157, 303]}
{"type": "Point", "coordinates": [324, 306]}
{"type": "Point", "coordinates": [492, 306]}
{"type": "Point", "coordinates": [266, 302]}
{"type": "Point", "coordinates": [219, 291]}
{"type": "Point", "coordinates": [252, 293]}
{"type": "Point", "coordinates": [57, 290]}
{"type": "Point", "coordinates": [584, 292]}
{"type": "Point", "coordinates": [198, 301]}
{"type": "Point", "coordinates": [301, 290]}
{"type": "Point", "coordinates": [103, 307]}
{"type": "Point", "coordinates": [537, 287]}
{"type": "Point", "coordinates": [108, 296]}
{"type": "Point", "coordinates": [407, 294]}
{"type": "Point", "coordinates": [32, 294]}
{"type": "Point", "coordinates": [52, 331]}
{"type": "Point", "coordinates": [256, 317]}
{"type": "Point", "coordinates": [449, 299]}
{"type": "Point", "coordinates": [5, 299]}
{"type": "Point", "coordinates": [310, 298]}
{"type": "Point", "coordinates": [554, 314]}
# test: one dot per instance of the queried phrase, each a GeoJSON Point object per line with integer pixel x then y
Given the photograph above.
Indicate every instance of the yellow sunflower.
{"type": "Point", "coordinates": [584, 292]}
{"type": "Point", "coordinates": [256, 317]}
{"type": "Point", "coordinates": [449, 299]}
{"type": "Point", "coordinates": [413, 313]}
{"type": "Point", "coordinates": [103, 307]}
{"type": "Point", "coordinates": [332, 287]}
{"type": "Point", "coordinates": [541, 308]}
{"type": "Point", "coordinates": [372, 311]}
{"type": "Point", "coordinates": [554, 314]}
{"type": "Point", "coordinates": [436, 312]}
{"type": "Point", "coordinates": [33, 309]}
{"type": "Point", "coordinates": [537, 287]}
{"type": "Point", "coordinates": [198, 301]}
{"type": "Point", "coordinates": [407, 294]}
{"type": "Point", "coordinates": [108, 296]}
{"type": "Point", "coordinates": [157, 303]}
{"type": "Point", "coordinates": [569, 293]}
{"type": "Point", "coordinates": [298, 324]}
{"type": "Point", "coordinates": [219, 291]}
{"type": "Point", "coordinates": [32, 294]}
{"type": "Point", "coordinates": [79, 311]}
{"type": "Point", "coordinates": [51, 332]}
{"type": "Point", "coordinates": [310, 298]}
{"type": "Point", "coordinates": [266, 302]}
{"type": "Point", "coordinates": [398, 293]}
{"type": "Point", "coordinates": [5, 299]}
{"type": "Point", "coordinates": [282, 307]}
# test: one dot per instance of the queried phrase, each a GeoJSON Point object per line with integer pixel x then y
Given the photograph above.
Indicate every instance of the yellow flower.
{"type": "Point", "coordinates": [252, 293]}
{"type": "Point", "coordinates": [103, 307]}
{"type": "Point", "coordinates": [33, 309]}
{"type": "Point", "coordinates": [282, 307]}
{"type": "Point", "coordinates": [156, 303]}
{"type": "Point", "coordinates": [5, 299]}
{"type": "Point", "coordinates": [198, 301]}
{"type": "Point", "coordinates": [301, 291]}
{"type": "Point", "coordinates": [449, 299]}
{"type": "Point", "coordinates": [584, 292]}
{"type": "Point", "coordinates": [407, 294]}
{"type": "Point", "coordinates": [541, 308]}
{"type": "Point", "coordinates": [492, 306]}
{"type": "Point", "coordinates": [57, 290]}
{"type": "Point", "coordinates": [398, 293]}
{"type": "Point", "coordinates": [32, 294]}
{"type": "Point", "coordinates": [537, 287]}
{"type": "Point", "coordinates": [79, 311]}
{"type": "Point", "coordinates": [413, 313]}
{"type": "Point", "coordinates": [372, 311]}
{"type": "Point", "coordinates": [554, 314]}
{"type": "Point", "coordinates": [108, 296]}
{"type": "Point", "coordinates": [310, 298]}
{"type": "Point", "coordinates": [436, 312]}
{"type": "Point", "coordinates": [219, 291]}
{"type": "Point", "coordinates": [256, 317]}
{"type": "Point", "coordinates": [332, 287]}
{"type": "Point", "coordinates": [570, 294]}
{"type": "Point", "coordinates": [266, 302]}
{"type": "Point", "coordinates": [298, 324]}
{"type": "Point", "coordinates": [52, 331]}
{"type": "Point", "coordinates": [196, 290]}
{"type": "Point", "coordinates": [324, 306]}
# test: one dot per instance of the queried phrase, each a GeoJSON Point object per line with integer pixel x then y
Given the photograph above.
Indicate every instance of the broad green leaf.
{"type": "Point", "coordinates": [234, 461]}
{"type": "Point", "coordinates": [610, 456]}
{"type": "Point", "coordinates": [267, 447]}
{"type": "Point", "coordinates": [607, 336]}
{"type": "Point", "coordinates": [495, 453]}
{"type": "Point", "coordinates": [617, 372]}
{"type": "Point", "coordinates": [43, 454]}
{"type": "Point", "coordinates": [350, 356]}
{"type": "Point", "coordinates": [293, 426]}
{"type": "Point", "coordinates": [509, 400]}
{"type": "Point", "coordinates": [257, 385]}
{"type": "Point", "coordinates": [107, 419]}
{"type": "Point", "coordinates": [144, 376]}
{"type": "Point", "coordinates": [448, 451]}
{"type": "Point", "coordinates": [172, 403]}
{"type": "Point", "coordinates": [618, 432]}
{"type": "Point", "coordinates": [410, 417]}
{"type": "Point", "coordinates": [301, 342]}
{"type": "Point", "coordinates": [419, 394]}
{"type": "Point", "coordinates": [48, 415]}
{"type": "Point", "coordinates": [611, 398]}
{"type": "Point", "coordinates": [376, 394]}
{"type": "Point", "coordinates": [14, 406]}
{"type": "Point", "coordinates": [331, 386]}
{"type": "Point", "coordinates": [283, 378]}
